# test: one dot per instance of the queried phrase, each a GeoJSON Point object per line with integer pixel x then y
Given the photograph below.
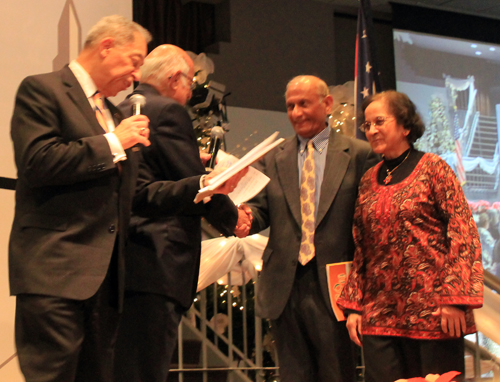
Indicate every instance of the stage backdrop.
{"type": "Point", "coordinates": [36, 36]}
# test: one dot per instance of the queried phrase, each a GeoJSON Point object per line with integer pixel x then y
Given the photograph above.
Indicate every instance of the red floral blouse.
{"type": "Point", "coordinates": [417, 247]}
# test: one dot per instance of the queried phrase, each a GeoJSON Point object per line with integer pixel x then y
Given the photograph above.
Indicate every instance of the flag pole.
{"type": "Point", "coordinates": [366, 74]}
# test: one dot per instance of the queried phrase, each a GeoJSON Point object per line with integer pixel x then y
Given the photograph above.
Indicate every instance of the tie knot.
{"type": "Point", "coordinates": [98, 100]}
{"type": "Point", "coordinates": [310, 145]}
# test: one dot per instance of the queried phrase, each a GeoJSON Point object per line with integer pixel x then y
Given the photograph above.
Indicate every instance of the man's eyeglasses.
{"type": "Point", "coordinates": [191, 81]}
{"type": "Point", "coordinates": [379, 121]}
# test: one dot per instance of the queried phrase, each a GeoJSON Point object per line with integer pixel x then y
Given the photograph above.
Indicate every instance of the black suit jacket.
{"type": "Point", "coordinates": [165, 233]}
{"type": "Point", "coordinates": [278, 206]}
{"type": "Point", "coordinates": [71, 200]}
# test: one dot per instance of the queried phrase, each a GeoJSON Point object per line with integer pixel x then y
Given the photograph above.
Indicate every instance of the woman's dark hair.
{"type": "Point", "coordinates": [403, 109]}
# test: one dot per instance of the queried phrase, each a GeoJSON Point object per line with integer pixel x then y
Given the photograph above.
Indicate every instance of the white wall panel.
{"type": "Point", "coordinates": [30, 36]}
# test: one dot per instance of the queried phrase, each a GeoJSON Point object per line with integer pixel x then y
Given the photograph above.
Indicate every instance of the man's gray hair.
{"type": "Point", "coordinates": [120, 28]}
{"type": "Point", "coordinates": [162, 64]}
{"type": "Point", "coordinates": [321, 85]}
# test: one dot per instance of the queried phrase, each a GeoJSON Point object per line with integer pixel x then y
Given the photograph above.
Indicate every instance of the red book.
{"type": "Point", "coordinates": [337, 274]}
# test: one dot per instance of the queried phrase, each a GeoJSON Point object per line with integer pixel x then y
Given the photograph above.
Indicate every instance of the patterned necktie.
{"type": "Point", "coordinates": [99, 111]}
{"type": "Point", "coordinates": [307, 206]}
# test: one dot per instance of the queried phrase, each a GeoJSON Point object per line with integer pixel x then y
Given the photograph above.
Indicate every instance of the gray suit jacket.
{"type": "Point", "coordinates": [278, 206]}
{"type": "Point", "coordinates": [70, 199]}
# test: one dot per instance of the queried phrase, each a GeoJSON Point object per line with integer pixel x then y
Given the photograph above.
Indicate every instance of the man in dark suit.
{"type": "Point", "coordinates": [76, 177]}
{"type": "Point", "coordinates": [292, 288]}
{"type": "Point", "coordinates": [163, 256]}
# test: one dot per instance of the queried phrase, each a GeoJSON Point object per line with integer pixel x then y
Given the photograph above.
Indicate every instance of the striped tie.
{"type": "Point", "coordinates": [99, 111]}
{"type": "Point", "coordinates": [307, 206]}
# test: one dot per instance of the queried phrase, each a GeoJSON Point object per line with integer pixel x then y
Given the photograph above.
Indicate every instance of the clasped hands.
{"type": "Point", "coordinates": [452, 323]}
{"type": "Point", "coordinates": [244, 221]}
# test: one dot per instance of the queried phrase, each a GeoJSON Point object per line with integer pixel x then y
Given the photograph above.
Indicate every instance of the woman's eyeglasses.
{"type": "Point", "coordinates": [379, 122]}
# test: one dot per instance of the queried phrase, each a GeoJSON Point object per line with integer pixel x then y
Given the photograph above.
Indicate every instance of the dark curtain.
{"type": "Point", "coordinates": [444, 23]}
{"type": "Point", "coordinates": [190, 26]}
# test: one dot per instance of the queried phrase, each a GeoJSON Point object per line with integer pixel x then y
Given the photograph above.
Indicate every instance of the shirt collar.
{"type": "Point", "coordinates": [320, 140]}
{"type": "Point", "coordinates": [83, 78]}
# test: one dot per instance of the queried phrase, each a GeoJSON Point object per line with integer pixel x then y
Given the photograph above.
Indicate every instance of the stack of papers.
{"type": "Point", "coordinates": [251, 183]}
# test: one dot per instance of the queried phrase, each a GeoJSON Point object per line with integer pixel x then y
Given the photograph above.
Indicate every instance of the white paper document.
{"type": "Point", "coordinates": [252, 182]}
{"type": "Point", "coordinates": [249, 186]}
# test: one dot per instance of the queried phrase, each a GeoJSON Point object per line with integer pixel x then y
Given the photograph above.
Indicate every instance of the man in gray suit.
{"type": "Point", "coordinates": [312, 345]}
{"type": "Point", "coordinates": [77, 171]}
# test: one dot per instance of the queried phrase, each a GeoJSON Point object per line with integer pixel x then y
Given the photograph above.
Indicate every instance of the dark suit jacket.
{"type": "Point", "coordinates": [70, 199]}
{"type": "Point", "coordinates": [278, 206]}
{"type": "Point", "coordinates": [165, 234]}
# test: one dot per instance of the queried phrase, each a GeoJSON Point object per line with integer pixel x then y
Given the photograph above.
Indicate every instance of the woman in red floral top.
{"type": "Point", "coordinates": [417, 271]}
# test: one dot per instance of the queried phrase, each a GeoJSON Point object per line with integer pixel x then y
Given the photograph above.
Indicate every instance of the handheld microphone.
{"type": "Point", "coordinates": [216, 137]}
{"type": "Point", "coordinates": [138, 101]}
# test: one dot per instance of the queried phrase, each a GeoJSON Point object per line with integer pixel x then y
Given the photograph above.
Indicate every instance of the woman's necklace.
{"type": "Point", "coordinates": [388, 178]}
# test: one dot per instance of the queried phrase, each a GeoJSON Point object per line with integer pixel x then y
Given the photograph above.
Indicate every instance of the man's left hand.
{"type": "Point", "coordinates": [229, 185]}
{"type": "Point", "coordinates": [205, 157]}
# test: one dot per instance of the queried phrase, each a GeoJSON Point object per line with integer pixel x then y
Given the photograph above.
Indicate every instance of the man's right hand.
{"type": "Point", "coordinates": [133, 130]}
{"type": "Point", "coordinates": [244, 223]}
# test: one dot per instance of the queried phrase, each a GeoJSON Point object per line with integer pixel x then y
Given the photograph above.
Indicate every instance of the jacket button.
{"type": "Point", "coordinates": [111, 228]}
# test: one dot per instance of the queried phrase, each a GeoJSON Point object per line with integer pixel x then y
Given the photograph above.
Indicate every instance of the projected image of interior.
{"type": "Point", "coordinates": [456, 87]}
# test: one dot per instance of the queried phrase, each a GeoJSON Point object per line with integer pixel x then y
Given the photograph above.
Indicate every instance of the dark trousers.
{"type": "Point", "coordinates": [388, 359]}
{"type": "Point", "coordinates": [312, 345]}
{"type": "Point", "coordinates": [64, 340]}
{"type": "Point", "coordinates": [147, 338]}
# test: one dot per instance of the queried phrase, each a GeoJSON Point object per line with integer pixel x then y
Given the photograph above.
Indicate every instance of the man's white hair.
{"type": "Point", "coordinates": [161, 64]}
{"type": "Point", "coordinates": [120, 28]}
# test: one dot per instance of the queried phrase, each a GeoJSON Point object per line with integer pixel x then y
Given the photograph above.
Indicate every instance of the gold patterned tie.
{"type": "Point", "coordinates": [307, 206]}
{"type": "Point", "coordinates": [99, 111]}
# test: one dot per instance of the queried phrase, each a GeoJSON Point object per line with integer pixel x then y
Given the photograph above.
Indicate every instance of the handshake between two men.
{"type": "Point", "coordinates": [244, 212]}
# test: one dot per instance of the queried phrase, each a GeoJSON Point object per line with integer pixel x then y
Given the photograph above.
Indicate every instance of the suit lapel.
{"type": "Point", "coordinates": [337, 162]}
{"type": "Point", "coordinates": [288, 173]}
{"type": "Point", "coordinates": [115, 112]}
{"type": "Point", "coordinates": [78, 97]}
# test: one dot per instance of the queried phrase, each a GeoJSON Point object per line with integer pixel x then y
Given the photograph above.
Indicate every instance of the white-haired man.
{"type": "Point", "coordinates": [76, 177]}
{"type": "Point", "coordinates": [163, 255]}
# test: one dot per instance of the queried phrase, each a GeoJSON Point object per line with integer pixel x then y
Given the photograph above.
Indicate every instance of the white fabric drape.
{"type": "Point", "coordinates": [241, 257]}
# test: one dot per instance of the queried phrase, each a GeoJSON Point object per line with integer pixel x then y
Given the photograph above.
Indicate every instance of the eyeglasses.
{"type": "Point", "coordinates": [379, 122]}
{"type": "Point", "coordinates": [191, 81]}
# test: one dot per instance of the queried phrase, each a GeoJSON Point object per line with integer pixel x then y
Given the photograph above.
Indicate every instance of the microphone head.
{"type": "Point", "coordinates": [217, 132]}
{"type": "Point", "coordinates": [137, 99]}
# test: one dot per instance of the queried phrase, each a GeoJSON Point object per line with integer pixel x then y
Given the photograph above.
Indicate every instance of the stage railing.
{"type": "Point", "coordinates": [230, 334]}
